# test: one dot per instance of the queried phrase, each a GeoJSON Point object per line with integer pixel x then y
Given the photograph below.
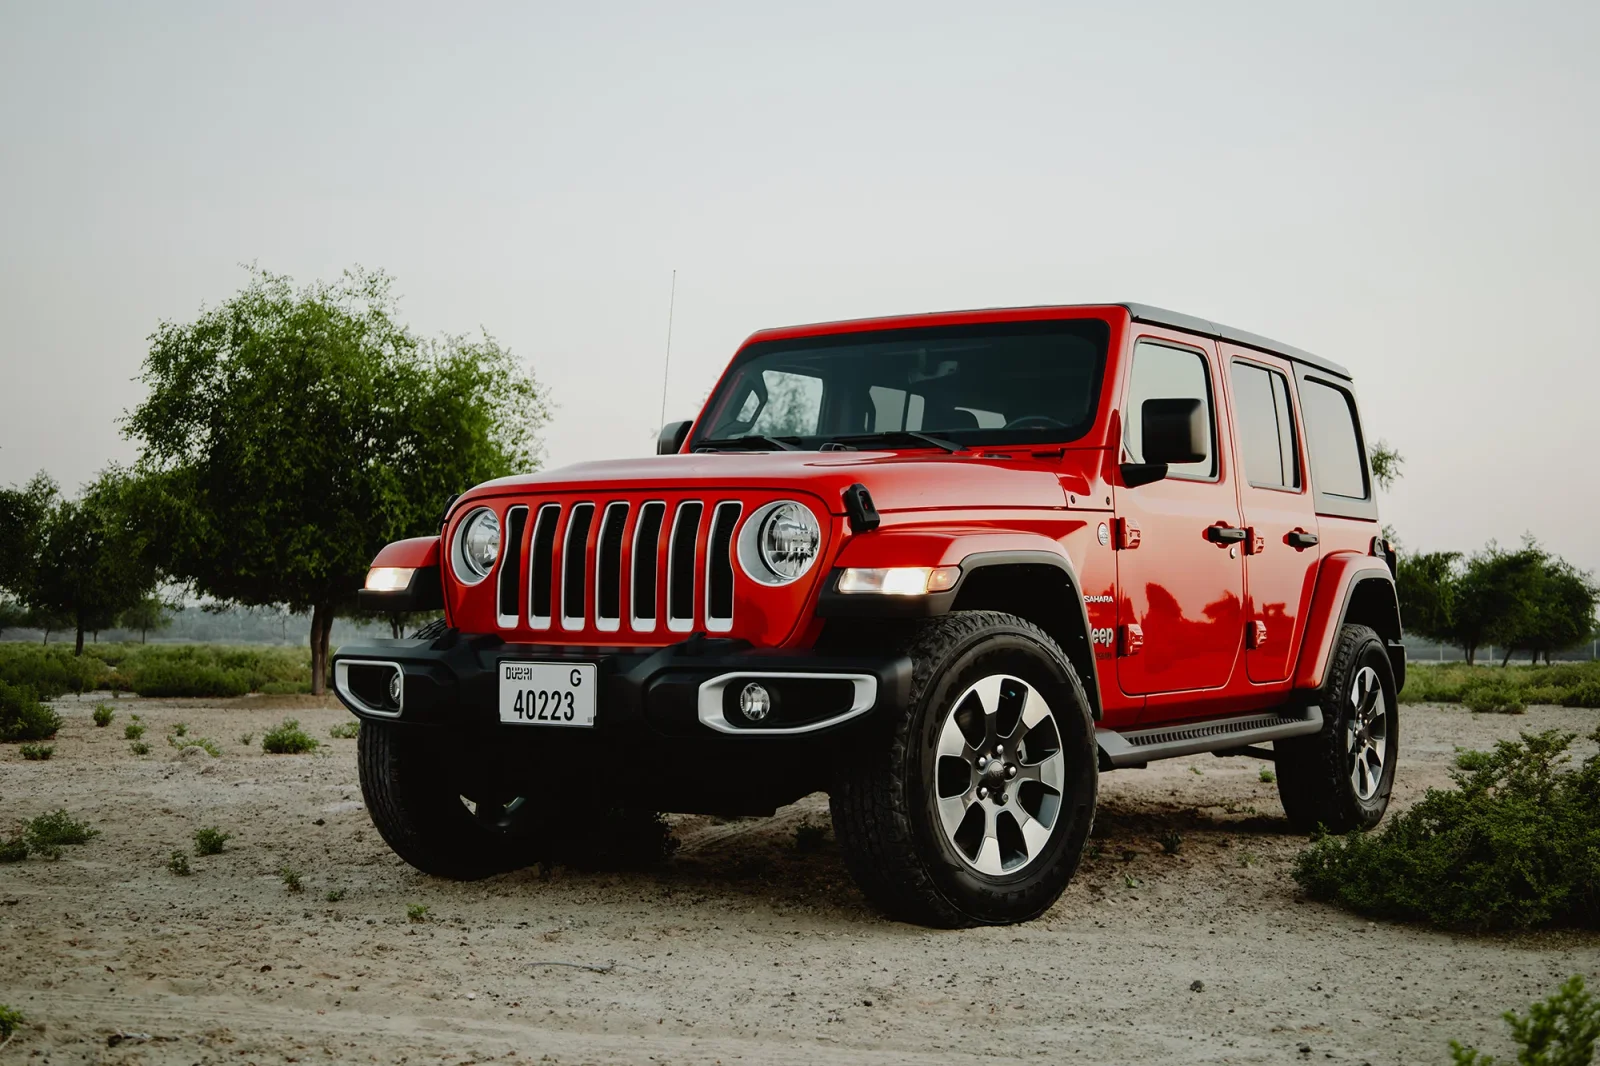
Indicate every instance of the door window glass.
{"type": "Point", "coordinates": [1332, 440]}
{"type": "Point", "coordinates": [1164, 373]}
{"type": "Point", "coordinates": [1266, 433]}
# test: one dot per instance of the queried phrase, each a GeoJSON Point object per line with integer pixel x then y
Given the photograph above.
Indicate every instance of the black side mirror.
{"type": "Point", "coordinates": [1174, 431]}
{"type": "Point", "coordinates": [670, 442]}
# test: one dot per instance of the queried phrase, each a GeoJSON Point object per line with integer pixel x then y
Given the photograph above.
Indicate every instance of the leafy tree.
{"type": "Point", "coordinates": [151, 612]}
{"type": "Point", "coordinates": [1426, 583]}
{"type": "Point", "coordinates": [1494, 597]}
{"type": "Point", "coordinates": [22, 522]}
{"type": "Point", "coordinates": [1561, 607]}
{"type": "Point", "coordinates": [93, 560]}
{"type": "Point", "coordinates": [1385, 462]}
{"type": "Point", "coordinates": [12, 615]}
{"type": "Point", "coordinates": [291, 433]}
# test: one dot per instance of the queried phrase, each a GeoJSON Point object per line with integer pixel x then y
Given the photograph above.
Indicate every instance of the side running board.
{"type": "Point", "coordinates": [1136, 747]}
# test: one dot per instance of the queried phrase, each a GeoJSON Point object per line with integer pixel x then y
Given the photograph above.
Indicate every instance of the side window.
{"type": "Point", "coordinates": [794, 404]}
{"type": "Point", "coordinates": [894, 409]}
{"type": "Point", "coordinates": [1266, 429]}
{"type": "Point", "coordinates": [1165, 373]}
{"type": "Point", "coordinates": [1337, 467]}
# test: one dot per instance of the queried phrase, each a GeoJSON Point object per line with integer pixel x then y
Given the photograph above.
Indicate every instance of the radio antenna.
{"type": "Point", "coordinates": [666, 370]}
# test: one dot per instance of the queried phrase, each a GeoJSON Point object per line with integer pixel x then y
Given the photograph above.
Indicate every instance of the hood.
{"type": "Point", "coordinates": [897, 481]}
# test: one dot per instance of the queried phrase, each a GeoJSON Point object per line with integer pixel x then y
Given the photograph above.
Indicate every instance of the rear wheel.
{"type": "Point", "coordinates": [975, 808]}
{"type": "Point", "coordinates": [438, 820]}
{"type": "Point", "coordinates": [1340, 779]}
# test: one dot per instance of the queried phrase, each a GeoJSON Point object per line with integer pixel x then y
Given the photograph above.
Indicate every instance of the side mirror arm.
{"type": "Point", "coordinates": [1136, 474]}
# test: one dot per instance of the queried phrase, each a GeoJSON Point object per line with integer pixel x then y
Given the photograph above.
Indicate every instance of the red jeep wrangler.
{"type": "Point", "coordinates": [948, 568]}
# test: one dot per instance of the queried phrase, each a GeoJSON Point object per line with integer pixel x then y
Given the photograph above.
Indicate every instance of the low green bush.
{"type": "Point", "coordinates": [133, 731]}
{"type": "Point", "coordinates": [49, 670]}
{"type": "Point", "coordinates": [103, 713]}
{"type": "Point", "coordinates": [23, 717]}
{"type": "Point", "coordinates": [37, 752]}
{"type": "Point", "coordinates": [210, 841]}
{"type": "Point", "coordinates": [345, 731]}
{"type": "Point", "coordinates": [179, 864]}
{"type": "Point", "coordinates": [288, 739]}
{"type": "Point", "coordinates": [139, 747]}
{"type": "Point", "coordinates": [211, 747]}
{"type": "Point", "coordinates": [1561, 1031]}
{"type": "Point", "coordinates": [170, 670]}
{"type": "Point", "coordinates": [10, 1018]}
{"type": "Point", "coordinates": [14, 848]}
{"type": "Point", "coordinates": [1515, 844]}
{"type": "Point", "coordinates": [189, 679]}
{"type": "Point", "coordinates": [1493, 688]}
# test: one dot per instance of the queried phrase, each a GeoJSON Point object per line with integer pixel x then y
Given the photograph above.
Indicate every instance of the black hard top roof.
{"type": "Point", "coordinates": [1158, 316]}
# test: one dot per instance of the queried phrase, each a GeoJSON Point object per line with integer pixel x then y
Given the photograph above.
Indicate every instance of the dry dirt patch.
{"type": "Point", "coordinates": [750, 946]}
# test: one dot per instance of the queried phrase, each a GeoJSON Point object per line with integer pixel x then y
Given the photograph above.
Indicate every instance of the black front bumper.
{"type": "Point", "coordinates": [645, 695]}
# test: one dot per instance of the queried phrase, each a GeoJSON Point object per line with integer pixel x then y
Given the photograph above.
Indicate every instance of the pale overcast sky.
{"type": "Point", "coordinates": [1409, 189]}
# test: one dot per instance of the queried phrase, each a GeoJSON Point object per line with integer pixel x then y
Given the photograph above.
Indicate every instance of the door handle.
{"type": "Point", "coordinates": [1300, 540]}
{"type": "Point", "coordinates": [1222, 533]}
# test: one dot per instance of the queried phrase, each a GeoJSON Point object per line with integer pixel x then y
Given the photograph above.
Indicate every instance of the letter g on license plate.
{"type": "Point", "coordinates": [548, 693]}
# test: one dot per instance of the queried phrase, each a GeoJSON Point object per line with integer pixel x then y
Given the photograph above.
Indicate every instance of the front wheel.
{"type": "Point", "coordinates": [1340, 779]}
{"type": "Point", "coordinates": [976, 807]}
{"type": "Point", "coordinates": [439, 820]}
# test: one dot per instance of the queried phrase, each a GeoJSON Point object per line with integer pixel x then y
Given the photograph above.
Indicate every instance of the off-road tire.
{"type": "Point", "coordinates": [883, 803]}
{"type": "Point", "coordinates": [420, 814]}
{"type": "Point", "coordinates": [1314, 772]}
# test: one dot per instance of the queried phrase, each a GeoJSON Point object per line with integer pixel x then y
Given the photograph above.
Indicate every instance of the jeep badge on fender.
{"type": "Point", "coordinates": [894, 560]}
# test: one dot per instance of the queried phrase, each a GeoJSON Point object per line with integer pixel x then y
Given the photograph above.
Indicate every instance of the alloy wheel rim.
{"type": "Point", "coordinates": [999, 775]}
{"type": "Point", "coordinates": [1367, 733]}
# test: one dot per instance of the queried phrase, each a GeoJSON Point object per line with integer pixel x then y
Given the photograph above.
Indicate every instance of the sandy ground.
{"type": "Point", "coordinates": [745, 948]}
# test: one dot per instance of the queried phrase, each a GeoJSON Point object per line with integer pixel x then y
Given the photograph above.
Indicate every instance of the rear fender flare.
{"type": "Point", "coordinates": [1350, 588]}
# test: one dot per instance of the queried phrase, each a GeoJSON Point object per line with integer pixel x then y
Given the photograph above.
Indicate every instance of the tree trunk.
{"type": "Point", "coordinates": [395, 629]}
{"type": "Point", "coordinates": [142, 633]}
{"type": "Point", "coordinates": [321, 630]}
{"type": "Point", "coordinates": [1470, 651]}
{"type": "Point", "coordinates": [1507, 660]}
{"type": "Point", "coordinates": [79, 649]}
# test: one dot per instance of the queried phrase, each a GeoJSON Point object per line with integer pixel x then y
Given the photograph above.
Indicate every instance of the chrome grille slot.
{"type": "Point", "coordinates": [608, 568]}
{"type": "Point", "coordinates": [646, 549]}
{"type": "Point", "coordinates": [508, 612]}
{"type": "Point", "coordinates": [575, 565]}
{"type": "Point", "coordinates": [719, 567]}
{"type": "Point", "coordinates": [681, 551]}
{"type": "Point", "coordinates": [542, 560]}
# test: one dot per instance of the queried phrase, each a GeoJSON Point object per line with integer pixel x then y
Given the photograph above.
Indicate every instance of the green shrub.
{"type": "Point", "coordinates": [1495, 688]}
{"type": "Point", "coordinates": [288, 739]}
{"type": "Point", "coordinates": [1515, 844]}
{"type": "Point", "coordinates": [207, 743]}
{"type": "Point", "coordinates": [50, 671]}
{"type": "Point", "coordinates": [23, 717]}
{"type": "Point", "coordinates": [1267, 775]}
{"type": "Point", "coordinates": [50, 831]}
{"type": "Point", "coordinates": [345, 731]}
{"type": "Point", "coordinates": [14, 848]}
{"type": "Point", "coordinates": [37, 752]}
{"type": "Point", "coordinates": [10, 1018]}
{"type": "Point", "coordinates": [334, 895]}
{"type": "Point", "coordinates": [189, 679]}
{"type": "Point", "coordinates": [133, 731]}
{"type": "Point", "coordinates": [179, 864]}
{"type": "Point", "coordinates": [103, 713]}
{"type": "Point", "coordinates": [291, 879]}
{"type": "Point", "coordinates": [247, 739]}
{"type": "Point", "coordinates": [139, 747]}
{"type": "Point", "coordinates": [1586, 694]}
{"type": "Point", "coordinates": [1561, 1031]}
{"type": "Point", "coordinates": [416, 912]}
{"type": "Point", "coordinates": [210, 841]}
{"type": "Point", "coordinates": [180, 729]}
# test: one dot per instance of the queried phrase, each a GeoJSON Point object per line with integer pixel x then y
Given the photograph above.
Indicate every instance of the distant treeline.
{"type": "Point", "coordinates": [232, 625]}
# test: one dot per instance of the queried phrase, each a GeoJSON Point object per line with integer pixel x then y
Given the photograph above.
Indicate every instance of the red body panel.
{"type": "Point", "coordinates": [415, 553]}
{"type": "Point", "coordinates": [1339, 571]}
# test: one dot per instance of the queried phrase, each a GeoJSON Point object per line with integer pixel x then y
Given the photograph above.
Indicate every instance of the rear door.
{"type": "Point", "coordinates": [1281, 549]}
{"type": "Point", "coordinates": [1180, 575]}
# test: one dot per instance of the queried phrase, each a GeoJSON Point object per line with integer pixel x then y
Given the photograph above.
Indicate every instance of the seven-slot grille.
{"type": "Point", "coordinates": [642, 566]}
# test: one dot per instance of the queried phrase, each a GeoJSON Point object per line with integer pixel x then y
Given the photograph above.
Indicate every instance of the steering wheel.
{"type": "Point", "coordinates": [1035, 422]}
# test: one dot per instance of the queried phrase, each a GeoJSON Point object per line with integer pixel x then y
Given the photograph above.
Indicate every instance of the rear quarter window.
{"type": "Point", "coordinates": [1337, 466]}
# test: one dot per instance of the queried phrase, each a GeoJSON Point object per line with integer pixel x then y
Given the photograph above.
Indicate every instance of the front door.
{"type": "Point", "coordinates": [1180, 570]}
{"type": "Point", "coordinates": [1281, 553]}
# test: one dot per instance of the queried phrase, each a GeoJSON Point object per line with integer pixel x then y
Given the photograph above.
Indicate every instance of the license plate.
{"type": "Point", "coordinates": [547, 693]}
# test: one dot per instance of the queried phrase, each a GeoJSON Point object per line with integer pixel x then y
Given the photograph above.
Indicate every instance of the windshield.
{"type": "Point", "coordinates": [984, 384]}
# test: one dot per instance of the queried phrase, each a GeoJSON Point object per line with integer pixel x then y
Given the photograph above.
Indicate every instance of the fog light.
{"type": "Point", "coordinates": [396, 687]}
{"type": "Point", "coordinates": [755, 702]}
{"type": "Point", "coordinates": [389, 578]}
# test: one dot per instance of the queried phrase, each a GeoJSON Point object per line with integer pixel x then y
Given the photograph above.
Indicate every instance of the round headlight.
{"type": "Point", "coordinates": [477, 545]}
{"type": "Point", "coordinates": [782, 540]}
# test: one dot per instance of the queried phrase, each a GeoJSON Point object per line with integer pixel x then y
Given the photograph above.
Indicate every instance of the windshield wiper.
{"type": "Point", "coordinates": [910, 434]}
{"type": "Point", "coordinates": [746, 441]}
